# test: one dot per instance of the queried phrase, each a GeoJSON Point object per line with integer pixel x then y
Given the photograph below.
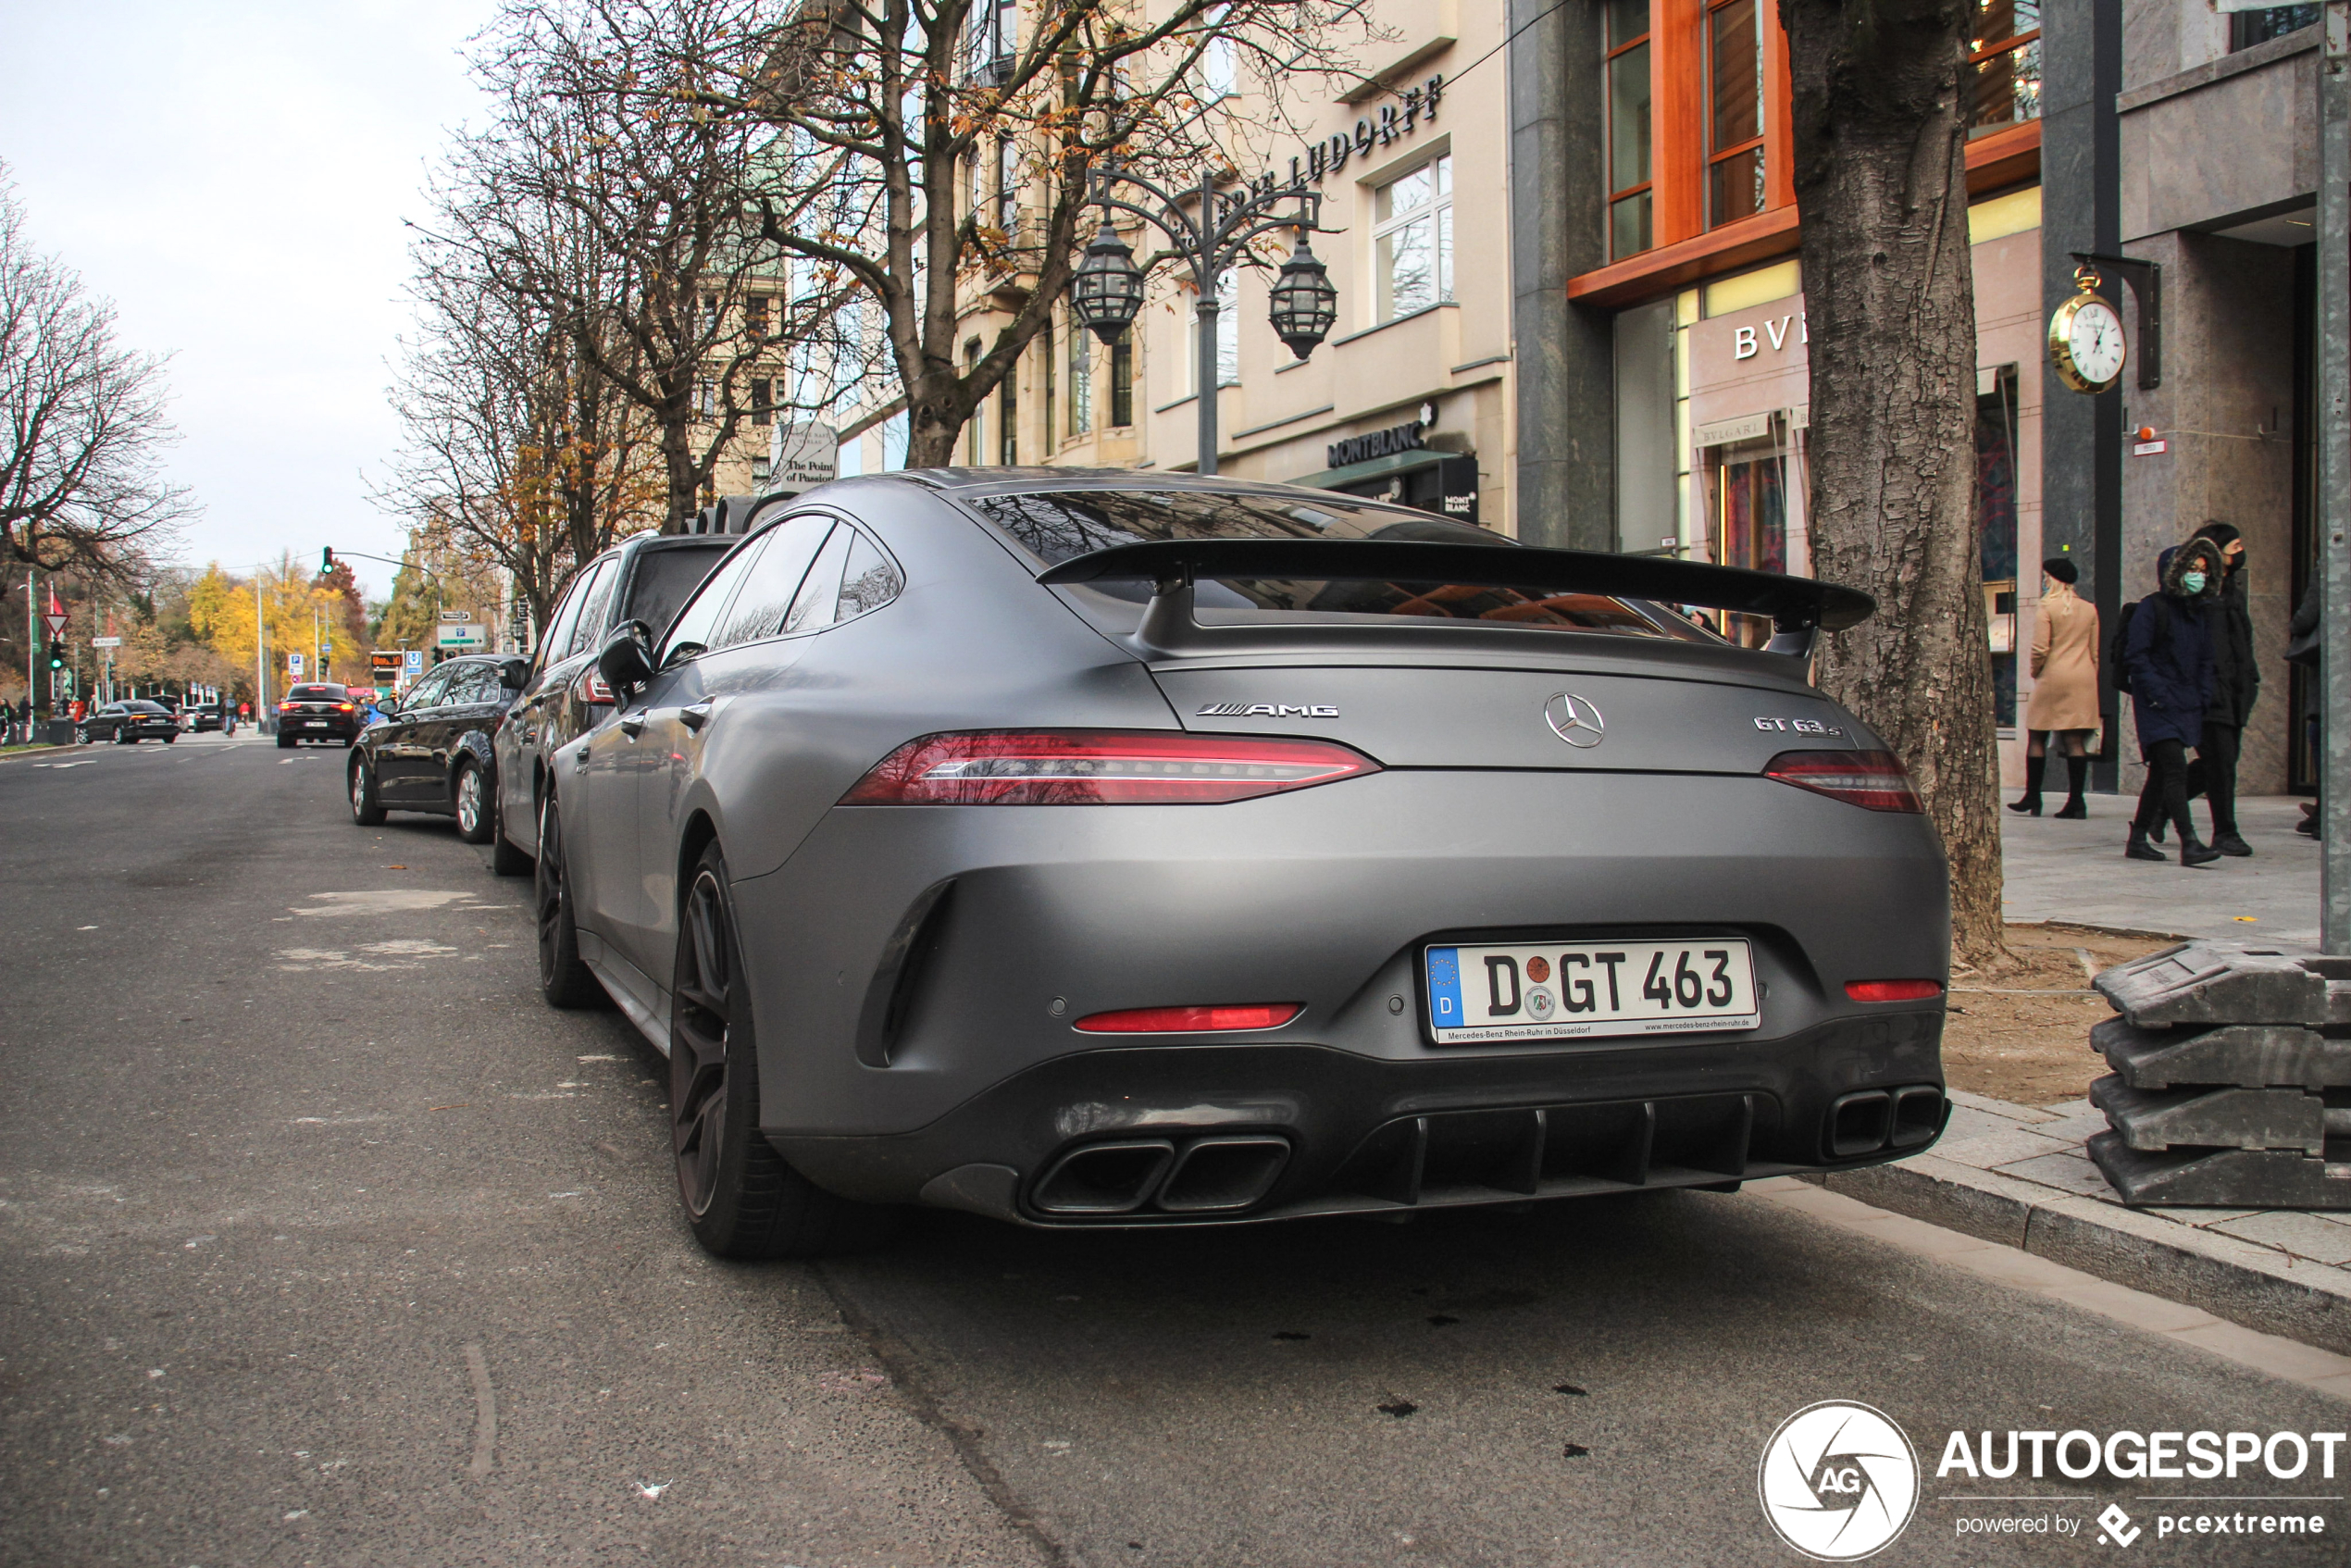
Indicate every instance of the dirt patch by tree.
{"type": "Point", "coordinates": [2024, 1034]}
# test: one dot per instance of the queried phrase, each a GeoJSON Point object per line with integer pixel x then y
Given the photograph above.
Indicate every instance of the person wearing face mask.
{"type": "Point", "coordinates": [2065, 687]}
{"type": "Point", "coordinates": [2167, 667]}
{"type": "Point", "coordinates": [2236, 686]}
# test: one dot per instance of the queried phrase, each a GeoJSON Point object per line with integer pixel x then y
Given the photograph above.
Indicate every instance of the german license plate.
{"type": "Point", "coordinates": [1567, 990]}
{"type": "Point", "coordinates": [314, 724]}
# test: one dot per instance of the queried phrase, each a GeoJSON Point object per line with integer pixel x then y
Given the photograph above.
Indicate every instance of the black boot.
{"type": "Point", "coordinates": [2192, 853]}
{"type": "Point", "coordinates": [2077, 774]}
{"type": "Point", "coordinates": [2139, 849]}
{"type": "Point", "coordinates": [2031, 803]}
{"type": "Point", "coordinates": [2231, 842]}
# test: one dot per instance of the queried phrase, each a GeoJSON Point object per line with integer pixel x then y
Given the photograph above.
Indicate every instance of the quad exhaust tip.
{"type": "Point", "coordinates": [1876, 1119]}
{"type": "Point", "coordinates": [1220, 1175]}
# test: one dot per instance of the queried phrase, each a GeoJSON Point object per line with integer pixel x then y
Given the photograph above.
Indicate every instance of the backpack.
{"type": "Point", "coordinates": [2122, 639]}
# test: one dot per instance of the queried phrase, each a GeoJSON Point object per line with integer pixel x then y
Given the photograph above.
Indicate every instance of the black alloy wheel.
{"type": "Point", "coordinates": [564, 980]}
{"type": "Point", "coordinates": [741, 1198]}
{"type": "Point", "coordinates": [81, 734]}
{"type": "Point", "coordinates": [474, 825]}
{"type": "Point", "coordinates": [366, 802]}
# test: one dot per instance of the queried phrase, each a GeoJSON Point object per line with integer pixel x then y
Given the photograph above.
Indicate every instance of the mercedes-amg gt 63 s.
{"type": "Point", "coordinates": [1091, 849]}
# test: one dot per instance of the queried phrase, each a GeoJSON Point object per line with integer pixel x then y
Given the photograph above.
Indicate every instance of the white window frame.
{"type": "Point", "coordinates": [1441, 207]}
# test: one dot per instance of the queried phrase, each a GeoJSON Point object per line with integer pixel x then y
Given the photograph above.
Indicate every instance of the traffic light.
{"type": "Point", "coordinates": [57, 656]}
{"type": "Point", "coordinates": [327, 561]}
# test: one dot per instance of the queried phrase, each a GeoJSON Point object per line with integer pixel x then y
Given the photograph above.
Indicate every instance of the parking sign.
{"type": "Point", "coordinates": [413, 660]}
{"type": "Point", "coordinates": [293, 665]}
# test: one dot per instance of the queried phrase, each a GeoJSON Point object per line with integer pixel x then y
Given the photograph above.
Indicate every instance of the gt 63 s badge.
{"type": "Point", "coordinates": [1838, 1481]}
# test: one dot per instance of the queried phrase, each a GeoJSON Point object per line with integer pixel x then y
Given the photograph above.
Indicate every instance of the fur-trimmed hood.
{"type": "Point", "coordinates": [2174, 562]}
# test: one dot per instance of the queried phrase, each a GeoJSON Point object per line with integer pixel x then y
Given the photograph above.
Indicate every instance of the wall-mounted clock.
{"type": "Point", "coordinates": [2085, 338]}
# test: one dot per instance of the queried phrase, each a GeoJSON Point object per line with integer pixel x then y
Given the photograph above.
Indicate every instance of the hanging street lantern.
{"type": "Point", "coordinates": [1107, 290]}
{"type": "Point", "coordinates": [1305, 303]}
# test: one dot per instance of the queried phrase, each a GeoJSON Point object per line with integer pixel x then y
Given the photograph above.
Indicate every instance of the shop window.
{"type": "Point", "coordinates": [1631, 205]}
{"type": "Point", "coordinates": [2248, 28]}
{"type": "Point", "coordinates": [1122, 379]}
{"type": "Point", "coordinates": [1995, 528]}
{"type": "Point", "coordinates": [2005, 57]}
{"type": "Point", "coordinates": [1081, 381]}
{"type": "Point", "coordinates": [1412, 232]}
{"type": "Point", "coordinates": [1735, 112]}
{"type": "Point", "coordinates": [1750, 523]}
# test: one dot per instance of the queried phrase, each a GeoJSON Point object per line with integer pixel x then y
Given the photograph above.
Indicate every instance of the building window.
{"type": "Point", "coordinates": [1122, 379]}
{"type": "Point", "coordinates": [1228, 332]}
{"type": "Point", "coordinates": [1008, 416]}
{"type": "Point", "coordinates": [755, 316]}
{"type": "Point", "coordinates": [1631, 227]}
{"type": "Point", "coordinates": [972, 448]}
{"type": "Point", "coordinates": [2248, 28]}
{"type": "Point", "coordinates": [1412, 231]}
{"type": "Point", "coordinates": [1735, 112]}
{"type": "Point", "coordinates": [2005, 56]}
{"type": "Point", "coordinates": [1050, 360]}
{"type": "Point", "coordinates": [706, 398]}
{"type": "Point", "coordinates": [762, 408]}
{"type": "Point", "coordinates": [1219, 63]}
{"type": "Point", "coordinates": [1007, 185]}
{"type": "Point", "coordinates": [1081, 381]}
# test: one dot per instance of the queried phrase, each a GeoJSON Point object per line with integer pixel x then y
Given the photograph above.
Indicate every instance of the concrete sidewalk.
{"type": "Point", "coordinates": [2074, 872]}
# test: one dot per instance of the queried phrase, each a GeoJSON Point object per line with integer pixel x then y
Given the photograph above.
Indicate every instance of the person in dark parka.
{"type": "Point", "coordinates": [2167, 654]}
{"type": "Point", "coordinates": [2236, 686]}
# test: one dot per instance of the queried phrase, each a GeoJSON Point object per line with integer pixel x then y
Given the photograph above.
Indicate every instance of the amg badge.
{"type": "Point", "coordinates": [1269, 710]}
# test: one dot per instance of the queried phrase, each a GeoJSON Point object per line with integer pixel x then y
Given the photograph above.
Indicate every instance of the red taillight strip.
{"type": "Point", "coordinates": [1100, 767]}
{"type": "Point", "coordinates": [1190, 1020]}
{"type": "Point", "coordinates": [1875, 780]}
{"type": "Point", "coordinates": [1893, 991]}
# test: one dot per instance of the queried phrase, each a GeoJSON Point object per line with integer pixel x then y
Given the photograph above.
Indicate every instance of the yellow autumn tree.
{"type": "Point", "coordinates": [301, 617]}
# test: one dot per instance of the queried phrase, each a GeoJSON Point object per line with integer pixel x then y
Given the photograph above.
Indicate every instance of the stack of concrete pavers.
{"type": "Point", "coordinates": [2231, 1081]}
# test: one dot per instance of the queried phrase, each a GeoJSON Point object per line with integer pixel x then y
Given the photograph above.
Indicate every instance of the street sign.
{"type": "Point", "coordinates": [294, 664]}
{"type": "Point", "coordinates": [412, 659]}
{"type": "Point", "coordinates": [800, 457]}
{"type": "Point", "coordinates": [463, 636]}
{"type": "Point", "coordinates": [456, 615]}
{"type": "Point", "coordinates": [56, 621]}
{"type": "Point", "coordinates": [106, 642]}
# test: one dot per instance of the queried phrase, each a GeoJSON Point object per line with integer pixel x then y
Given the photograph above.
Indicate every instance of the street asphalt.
{"type": "Point", "coordinates": [322, 1240]}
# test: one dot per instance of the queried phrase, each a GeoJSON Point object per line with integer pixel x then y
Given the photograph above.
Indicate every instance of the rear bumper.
{"type": "Point", "coordinates": [1283, 1131]}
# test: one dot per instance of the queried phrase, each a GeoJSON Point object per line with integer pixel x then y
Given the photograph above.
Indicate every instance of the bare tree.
{"type": "Point", "coordinates": [933, 155]}
{"type": "Point", "coordinates": [1880, 176]}
{"type": "Point", "coordinates": [82, 423]}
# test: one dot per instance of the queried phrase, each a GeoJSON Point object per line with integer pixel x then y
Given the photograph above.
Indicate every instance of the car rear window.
{"type": "Point", "coordinates": [143, 707]}
{"type": "Point", "coordinates": [1056, 525]}
{"type": "Point", "coordinates": [666, 578]}
{"type": "Point", "coordinates": [315, 693]}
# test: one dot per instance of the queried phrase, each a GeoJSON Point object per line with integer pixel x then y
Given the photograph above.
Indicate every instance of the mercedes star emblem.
{"type": "Point", "coordinates": [1575, 720]}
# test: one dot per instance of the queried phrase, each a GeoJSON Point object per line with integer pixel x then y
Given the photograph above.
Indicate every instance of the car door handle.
{"type": "Point", "coordinates": [694, 714]}
{"type": "Point", "coordinates": [633, 725]}
{"type": "Point", "coordinates": [580, 759]}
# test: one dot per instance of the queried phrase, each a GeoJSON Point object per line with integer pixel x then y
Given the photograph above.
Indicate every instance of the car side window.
{"type": "Point", "coordinates": [871, 580]}
{"type": "Point", "coordinates": [768, 593]}
{"type": "Point", "coordinates": [555, 644]}
{"type": "Point", "coordinates": [479, 684]}
{"type": "Point", "coordinates": [594, 600]}
{"type": "Point", "coordinates": [813, 609]}
{"type": "Point", "coordinates": [699, 621]}
{"type": "Point", "coordinates": [427, 692]}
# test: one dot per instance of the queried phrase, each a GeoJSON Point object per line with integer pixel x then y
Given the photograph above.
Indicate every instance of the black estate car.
{"type": "Point", "coordinates": [320, 711]}
{"type": "Point", "coordinates": [431, 749]}
{"type": "Point", "coordinates": [645, 578]}
{"type": "Point", "coordinates": [127, 724]}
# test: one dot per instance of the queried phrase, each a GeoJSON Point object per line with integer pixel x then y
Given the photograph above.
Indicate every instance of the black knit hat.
{"type": "Point", "coordinates": [2062, 569]}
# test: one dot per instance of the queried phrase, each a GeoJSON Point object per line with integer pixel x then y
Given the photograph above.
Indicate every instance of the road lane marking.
{"type": "Point", "coordinates": [485, 1412]}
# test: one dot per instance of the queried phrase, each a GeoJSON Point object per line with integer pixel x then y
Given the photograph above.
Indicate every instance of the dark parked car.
{"type": "Point", "coordinates": [1089, 849]}
{"type": "Point", "coordinates": [198, 716]}
{"type": "Point", "coordinates": [645, 578]}
{"type": "Point", "coordinates": [431, 749]}
{"type": "Point", "coordinates": [320, 711]}
{"type": "Point", "coordinates": [127, 724]}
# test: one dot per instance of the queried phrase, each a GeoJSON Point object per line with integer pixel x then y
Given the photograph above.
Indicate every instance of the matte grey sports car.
{"type": "Point", "coordinates": [1097, 849]}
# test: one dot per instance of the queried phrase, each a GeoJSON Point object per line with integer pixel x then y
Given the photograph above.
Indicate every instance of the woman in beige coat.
{"type": "Point", "coordinates": [2065, 687]}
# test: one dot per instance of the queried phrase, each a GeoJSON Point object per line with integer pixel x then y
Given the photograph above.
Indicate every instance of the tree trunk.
{"type": "Point", "coordinates": [1881, 179]}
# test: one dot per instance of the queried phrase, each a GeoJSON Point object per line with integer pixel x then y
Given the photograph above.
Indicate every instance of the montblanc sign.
{"type": "Point", "coordinates": [1379, 443]}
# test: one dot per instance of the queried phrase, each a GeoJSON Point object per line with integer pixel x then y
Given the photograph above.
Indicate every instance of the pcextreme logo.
{"type": "Point", "coordinates": [1838, 1481]}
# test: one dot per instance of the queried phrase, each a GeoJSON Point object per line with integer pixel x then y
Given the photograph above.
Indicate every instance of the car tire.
{"type": "Point", "coordinates": [468, 799]}
{"type": "Point", "coordinates": [169, 739]}
{"type": "Point", "coordinates": [285, 742]}
{"type": "Point", "coordinates": [564, 980]}
{"type": "Point", "coordinates": [741, 1198]}
{"type": "Point", "coordinates": [506, 858]}
{"type": "Point", "coordinates": [81, 734]}
{"type": "Point", "coordinates": [367, 799]}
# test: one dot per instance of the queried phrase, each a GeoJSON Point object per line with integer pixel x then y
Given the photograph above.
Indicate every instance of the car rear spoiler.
{"type": "Point", "coordinates": [1800, 608]}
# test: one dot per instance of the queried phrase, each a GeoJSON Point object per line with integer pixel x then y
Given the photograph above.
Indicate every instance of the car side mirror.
{"type": "Point", "coordinates": [625, 661]}
{"type": "Point", "coordinates": [514, 673]}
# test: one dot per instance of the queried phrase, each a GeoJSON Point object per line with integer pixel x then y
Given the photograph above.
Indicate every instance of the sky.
{"type": "Point", "coordinates": [236, 178]}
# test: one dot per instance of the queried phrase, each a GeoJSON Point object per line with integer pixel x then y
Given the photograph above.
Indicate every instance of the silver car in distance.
{"type": "Point", "coordinates": [1093, 849]}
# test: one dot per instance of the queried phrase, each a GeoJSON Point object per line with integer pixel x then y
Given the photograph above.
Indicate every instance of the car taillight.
{"type": "Point", "coordinates": [1893, 991]}
{"type": "Point", "coordinates": [347, 707]}
{"type": "Point", "coordinates": [1190, 1020]}
{"type": "Point", "coordinates": [1098, 767]}
{"type": "Point", "coordinates": [285, 707]}
{"type": "Point", "coordinates": [594, 689]}
{"type": "Point", "coordinates": [1871, 779]}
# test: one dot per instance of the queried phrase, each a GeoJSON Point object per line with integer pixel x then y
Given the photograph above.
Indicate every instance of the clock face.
{"type": "Point", "coordinates": [2095, 339]}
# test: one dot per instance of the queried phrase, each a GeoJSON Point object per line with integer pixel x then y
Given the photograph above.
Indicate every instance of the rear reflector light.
{"type": "Point", "coordinates": [1872, 779]}
{"type": "Point", "coordinates": [1191, 1020]}
{"type": "Point", "coordinates": [1893, 991]}
{"type": "Point", "coordinates": [1098, 767]}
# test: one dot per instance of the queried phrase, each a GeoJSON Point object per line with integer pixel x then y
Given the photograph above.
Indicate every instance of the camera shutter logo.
{"type": "Point", "coordinates": [1575, 720]}
{"type": "Point", "coordinates": [1838, 1481]}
